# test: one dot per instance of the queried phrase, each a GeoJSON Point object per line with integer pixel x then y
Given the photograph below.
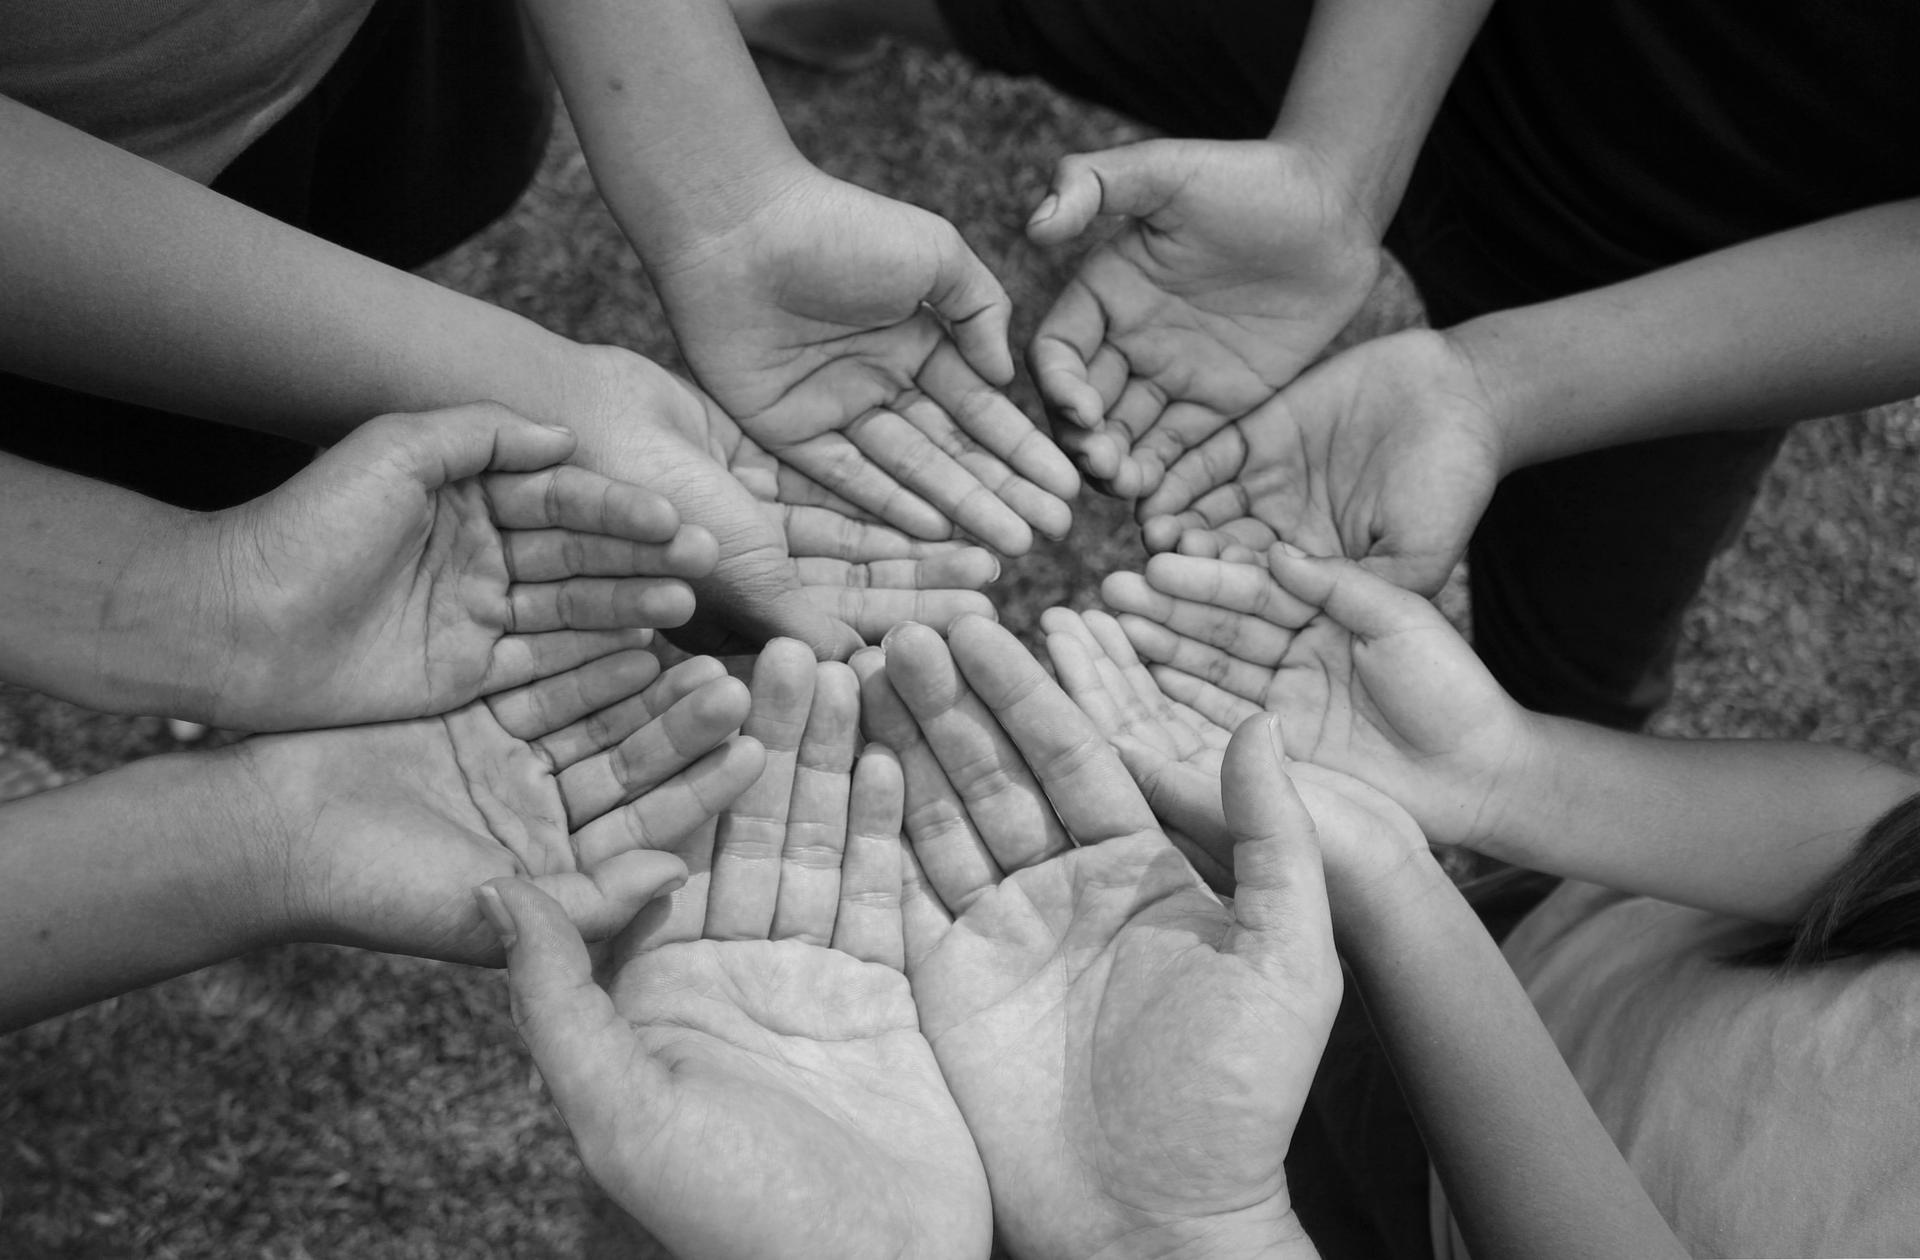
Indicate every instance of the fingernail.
{"type": "Point", "coordinates": [496, 912]}
{"type": "Point", "coordinates": [671, 887]}
{"type": "Point", "coordinates": [1045, 209]}
{"type": "Point", "coordinates": [1275, 740]}
{"type": "Point", "coordinates": [557, 428]}
{"type": "Point", "coordinates": [996, 569]}
{"type": "Point", "coordinates": [1291, 550]}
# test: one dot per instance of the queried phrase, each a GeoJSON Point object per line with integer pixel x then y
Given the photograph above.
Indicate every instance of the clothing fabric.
{"type": "Point", "coordinates": [426, 128]}
{"type": "Point", "coordinates": [1581, 144]}
{"type": "Point", "coordinates": [1766, 1116]}
{"type": "Point", "coordinates": [185, 83]}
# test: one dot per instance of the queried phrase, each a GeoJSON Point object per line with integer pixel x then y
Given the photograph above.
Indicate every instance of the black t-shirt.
{"type": "Point", "coordinates": [1594, 139]}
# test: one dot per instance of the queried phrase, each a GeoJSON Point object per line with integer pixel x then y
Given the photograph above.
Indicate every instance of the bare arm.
{"type": "Point", "coordinates": [1745, 827]}
{"type": "Point", "coordinates": [1528, 1169]}
{"type": "Point", "coordinates": [1819, 320]}
{"type": "Point", "coordinates": [127, 280]}
{"type": "Point", "coordinates": [1370, 79]}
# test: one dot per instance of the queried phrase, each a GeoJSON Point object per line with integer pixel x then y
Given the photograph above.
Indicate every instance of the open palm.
{"type": "Point", "coordinates": [1386, 453]}
{"type": "Point", "coordinates": [1375, 684]}
{"type": "Point", "coordinates": [1130, 1054]}
{"type": "Point", "coordinates": [579, 782]}
{"type": "Point", "coordinates": [430, 559]}
{"type": "Point", "coordinates": [859, 340]}
{"type": "Point", "coordinates": [1239, 264]}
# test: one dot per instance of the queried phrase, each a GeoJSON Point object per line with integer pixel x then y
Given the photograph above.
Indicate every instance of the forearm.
{"type": "Point", "coordinates": [1528, 1169]}
{"type": "Point", "coordinates": [683, 140]}
{"type": "Point", "coordinates": [1370, 78]}
{"type": "Point", "coordinates": [127, 280]}
{"type": "Point", "coordinates": [102, 594]}
{"type": "Point", "coordinates": [124, 880]}
{"type": "Point", "coordinates": [1749, 828]}
{"type": "Point", "coordinates": [1816, 321]}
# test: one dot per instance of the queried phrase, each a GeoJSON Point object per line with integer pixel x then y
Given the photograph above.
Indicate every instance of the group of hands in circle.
{"type": "Point", "coordinates": [897, 946]}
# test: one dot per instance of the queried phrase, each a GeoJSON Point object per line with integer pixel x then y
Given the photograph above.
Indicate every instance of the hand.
{"type": "Point", "coordinates": [1376, 685]}
{"type": "Point", "coordinates": [860, 341]}
{"type": "Point", "coordinates": [1130, 1055]}
{"type": "Point", "coordinates": [1176, 753]}
{"type": "Point", "coordinates": [577, 782]}
{"type": "Point", "coordinates": [649, 425]}
{"type": "Point", "coordinates": [430, 559]}
{"type": "Point", "coordinates": [1386, 453]}
{"type": "Point", "coordinates": [753, 1097]}
{"type": "Point", "coordinates": [1240, 262]}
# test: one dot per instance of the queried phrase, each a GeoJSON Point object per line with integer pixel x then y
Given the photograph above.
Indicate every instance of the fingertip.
{"type": "Point", "coordinates": [1160, 533]}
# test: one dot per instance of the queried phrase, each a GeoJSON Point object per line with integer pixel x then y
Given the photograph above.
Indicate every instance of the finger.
{"type": "Point", "coordinates": [809, 888]}
{"type": "Point", "coordinates": [1221, 708]}
{"type": "Point", "coordinates": [1135, 180]}
{"type": "Point", "coordinates": [752, 834]}
{"type": "Point", "coordinates": [439, 447]}
{"type": "Point", "coordinates": [827, 534]}
{"type": "Point", "coordinates": [664, 817]}
{"type": "Point", "coordinates": [603, 901]}
{"type": "Point", "coordinates": [547, 555]}
{"type": "Point", "coordinates": [1213, 463]}
{"type": "Point", "coordinates": [1072, 654]}
{"type": "Point", "coordinates": [1282, 923]}
{"type": "Point", "coordinates": [1211, 618]}
{"type": "Point", "coordinates": [976, 310]}
{"type": "Point", "coordinates": [606, 726]}
{"type": "Point", "coordinates": [572, 498]}
{"type": "Point", "coordinates": [1001, 795]}
{"type": "Point", "coordinates": [904, 451]}
{"type": "Point", "coordinates": [924, 920]}
{"type": "Point", "coordinates": [1079, 772]}
{"type": "Point", "coordinates": [690, 728]}
{"type": "Point", "coordinates": [598, 604]}
{"type": "Point", "coordinates": [837, 461]}
{"type": "Point", "coordinates": [1155, 643]}
{"type": "Point", "coordinates": [949, 847]}
{"type": "Point", "coordinates": [1039, 509]}
{"type": "Point", "coordinates": [1361, 602]}
{"type": "Point", "coordinates": [867, 923]}
{"type": "Point", "coordinates": [540, 682]}
{"type": "Point", "coordinates": [991, 419]}
{"type": "Point", "coordinates": [1063, 353]}
{"type": "Point", "coordinates": [582, 1046]}
{"type": "Point", "coordinates": [873, 613]}
{"type": "Point", "coordinates": [963, 569]}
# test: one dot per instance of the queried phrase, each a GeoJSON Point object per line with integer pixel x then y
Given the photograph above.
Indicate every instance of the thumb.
{"type": "Point", "coordinates": [1361, 602]}
{"type": "Point", "coordinates": [439, 447]}
{"type": "Point", "coordinates": [568, 1022]}
{"type": "Point", "coordinates": [1135, 180]}
{"type": "Point", "coordinates": [1283, 924]}
{"type": "Point", "coordinates": [975, 307]}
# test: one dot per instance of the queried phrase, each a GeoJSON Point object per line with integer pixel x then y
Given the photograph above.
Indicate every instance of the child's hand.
{"type": "Point", "coordinates": [1238, 264]}
{"type": "Point", "coordinates": [859, 340]}
{"type": "Point", "coordinates": [1175, 753]}
{"type": "Point", "coordinates": [1368, 679]}
{"type": "Point", "coordinates": [1386, 453]}
{"type": "Point", "coordinates": [584, 783]}
{"type": "Point", "coordinates": [430, 559]}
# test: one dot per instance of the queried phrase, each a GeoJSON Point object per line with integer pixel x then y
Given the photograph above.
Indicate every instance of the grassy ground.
{"type": "Point", "coordinates": [320, 1102]}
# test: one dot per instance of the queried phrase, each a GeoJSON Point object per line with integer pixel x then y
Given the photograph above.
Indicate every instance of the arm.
{"type": "Point", "coordinates": [1746, 827]}
{"type": "Point", "coordinates": [1370, 79]}
{"type": "Point", "coordinates": [1819, 320]}
{"type": "Point", "coordinates": [370, 836]}
{"type": "Point", "coordinates": [1528, 1169]}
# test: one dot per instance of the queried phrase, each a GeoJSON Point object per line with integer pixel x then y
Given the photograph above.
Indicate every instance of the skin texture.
{"type": "Point", "coordinates": [753, 1080]}
{"type": "Point", "coordinates": [1130, 1055]}
{"type": "Point", "coordinates": [576, 783]}
{"type": "Point", "coordinates": [1386, 454]}
{"type": "Point", "coordinates": [424, 561]}
{"type": "Point", "coordinates": [1239, 262]}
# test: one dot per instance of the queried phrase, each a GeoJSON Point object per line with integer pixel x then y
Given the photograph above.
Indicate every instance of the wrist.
{"type": "Point", "coordinates": [713, 221]}
{"type": "Point", "coordinates": [1352, 182]}
{"type": "Point", "coordinates": [220, 816]}
{"type": "Point", "coordinates": [1371, 916]}
{"type": "Point", "coordinates": [157, 654]}
{"type": "Point", "coordinates": [1495, 355]}
{"type": "Point", "coordinates": [1267, 1231]}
